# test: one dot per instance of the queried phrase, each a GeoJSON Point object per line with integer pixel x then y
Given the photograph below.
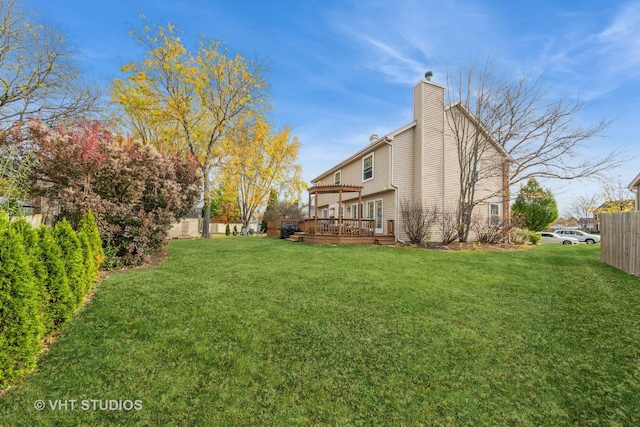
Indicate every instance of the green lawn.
{"type": "Point", "coordinates": [258, 331]}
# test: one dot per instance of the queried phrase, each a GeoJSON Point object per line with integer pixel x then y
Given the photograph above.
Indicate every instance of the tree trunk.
{"type": "Point", "coordinates": [206, 209]}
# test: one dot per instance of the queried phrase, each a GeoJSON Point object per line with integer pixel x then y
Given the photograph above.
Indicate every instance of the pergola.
{"type": "Point", "coordinates": [335, 189]}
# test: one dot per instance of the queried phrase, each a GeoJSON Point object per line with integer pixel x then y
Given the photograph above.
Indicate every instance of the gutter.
{"type": "Point", "coordinates": [396, 222]}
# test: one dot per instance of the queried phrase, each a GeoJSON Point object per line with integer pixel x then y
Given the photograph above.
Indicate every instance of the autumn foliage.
{"type": "Point", "coordinates": [135, 192]}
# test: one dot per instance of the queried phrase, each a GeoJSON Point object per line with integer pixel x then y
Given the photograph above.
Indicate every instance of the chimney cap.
{"type": "Point", "coordinates": [373, 138]}
{"type": "Point", "coordinates": [428, 75]}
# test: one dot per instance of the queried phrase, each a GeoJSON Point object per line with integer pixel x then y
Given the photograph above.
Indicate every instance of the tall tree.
{"type": "Point", "coordinates": [38, 71]}
{"type": "Point", "coordinates": [477, 159]}
{"type": "Point", "coordinates": [535, 207]}
{"type": "Point", "coordinates": [182, 100]}
{"type": "Point", "coordinates": [261, 160]}
{"type": "Point", "coordinates": [542, 134]}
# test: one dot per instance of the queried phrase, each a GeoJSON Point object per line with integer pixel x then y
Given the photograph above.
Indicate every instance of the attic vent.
{"type": "Point", "coordinates": [373, 138]}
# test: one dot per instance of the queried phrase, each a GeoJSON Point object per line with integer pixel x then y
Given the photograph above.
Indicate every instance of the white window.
{"type": "Point", "coordinates": [325, 213]}
{"type": "Point", "coordinates": [367, 167]}
{"type": "Point", "coordinates": [336, 177]}
{"type": "Point", "coordinates": [332, 212]}
{"type": "Point", "coordinates": [354, 211]}
{"type": "Point", "coordinates": [494, 213]}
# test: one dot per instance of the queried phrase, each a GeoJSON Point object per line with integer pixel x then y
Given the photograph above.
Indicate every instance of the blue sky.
{"type": "Point", "coordinates": [342, 70]}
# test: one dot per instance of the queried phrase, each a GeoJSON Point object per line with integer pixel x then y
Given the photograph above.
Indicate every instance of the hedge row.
{"type": "Point", "coordinates": [44, 277]}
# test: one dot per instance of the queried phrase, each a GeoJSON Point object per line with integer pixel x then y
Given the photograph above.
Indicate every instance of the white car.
{"type": "Point", "coordinates": [557, 239]}
{"type": "Point", "coordinates": [580, 235]}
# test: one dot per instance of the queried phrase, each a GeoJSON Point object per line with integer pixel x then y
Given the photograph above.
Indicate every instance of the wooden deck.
{"type": "Point", "coordinates": [343, 232]}
{"type": "Point", "coordinates": [334, 239]}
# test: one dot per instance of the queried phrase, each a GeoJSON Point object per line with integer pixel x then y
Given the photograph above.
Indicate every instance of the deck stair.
{"type": "Point", "coordinates": [298, 236]}
{"type": "Point", "coordinates": [385, 240]}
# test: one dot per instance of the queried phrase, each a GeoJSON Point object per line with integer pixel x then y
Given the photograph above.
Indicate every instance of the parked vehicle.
{"type": "Point", "coordinates": [580, 235]}
{"type": "Point", "coordinates": [547, 237]}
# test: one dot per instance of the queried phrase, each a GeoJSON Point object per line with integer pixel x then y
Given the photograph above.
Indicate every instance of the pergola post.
{"type": "Point", "coordinates": [359, 210]}
{"type": "Point", "coordinates": [340, 212]}
{"type": "Point", "coordinates": [333, 189]}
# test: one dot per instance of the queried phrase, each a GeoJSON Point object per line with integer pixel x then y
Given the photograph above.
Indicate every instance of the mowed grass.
{"type": "Point", "coordinates": [258, 331]}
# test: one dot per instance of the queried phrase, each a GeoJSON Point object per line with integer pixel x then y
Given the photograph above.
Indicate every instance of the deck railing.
{"type": "Point", "coordinates": [346, 227]}
{"type": "Point", "coordinates": [332, 226]}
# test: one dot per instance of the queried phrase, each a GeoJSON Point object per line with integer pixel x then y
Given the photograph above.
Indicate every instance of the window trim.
{"type": "Point", "coordinates": [372, 166]}
{"type": "Point", "coordinates": [497, 205]}
{"type": "Point", "coordinates": [339, 173]}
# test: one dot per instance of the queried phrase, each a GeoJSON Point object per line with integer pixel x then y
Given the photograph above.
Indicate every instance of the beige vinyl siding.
{"type": "Point", "coordinates": [351, 173]}
{"type": "Point", "coordinates": [451, 169]}
{"type": "Point", "coordinates": [431, 136]}
{"type": "Point", "coordinates": [404, 166]}
{"type": "Point", "coordinates": [381, 177]}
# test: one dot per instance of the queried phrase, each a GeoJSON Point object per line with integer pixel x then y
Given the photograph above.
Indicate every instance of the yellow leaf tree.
{"type": "Point", "coordinates": [180, 100]}
{"type": "Point", "coordinates": [261, 159]}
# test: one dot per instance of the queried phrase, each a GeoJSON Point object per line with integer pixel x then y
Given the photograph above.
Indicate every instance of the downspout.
{"type": "Point", "coordinates": [396, 223]}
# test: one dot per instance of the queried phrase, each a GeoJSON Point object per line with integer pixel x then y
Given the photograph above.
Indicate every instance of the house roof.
{"type": "Point", "coordinates": [20, 202]}
{"type": "Point", "coordinates": [486, 134]}
{"type": "Point", "coordinates": [390, 136]}
{"type": "Point", "coordinates": [337, 188]}
{"type": "Point", "coordinates": [635, 183]}
{"type": "Point", "coordinates": [369, 148]}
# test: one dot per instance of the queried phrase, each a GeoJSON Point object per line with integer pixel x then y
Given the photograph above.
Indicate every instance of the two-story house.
{"type": "Point", "coordinates": [635, 188]}
{"type": "Point", "coordinates": [417, 161]}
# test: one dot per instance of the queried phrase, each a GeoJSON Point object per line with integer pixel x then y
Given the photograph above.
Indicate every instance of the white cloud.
{"type": "Point", "coordinates": [620, 41]}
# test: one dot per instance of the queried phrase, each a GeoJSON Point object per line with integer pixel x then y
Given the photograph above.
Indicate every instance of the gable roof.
{"type": "Point", "coordinates": [458, 104]}
{"type": "Point", "coordinates": [366, 150]}
{"type": "Point", "coordinates": [635, 183]}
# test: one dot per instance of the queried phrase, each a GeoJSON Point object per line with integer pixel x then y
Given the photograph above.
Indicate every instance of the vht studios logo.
{"type": "Point", "coordinates": [88, 405]}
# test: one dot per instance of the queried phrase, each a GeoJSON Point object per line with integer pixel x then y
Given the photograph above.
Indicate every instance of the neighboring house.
{"type": "Point", "coordinates": [635, 187]}
{"type": "Point", "coordinates": [418, 161]}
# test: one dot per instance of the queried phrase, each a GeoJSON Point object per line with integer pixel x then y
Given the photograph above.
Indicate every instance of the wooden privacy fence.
{"type": "Point", "coordinates": [620, 241]}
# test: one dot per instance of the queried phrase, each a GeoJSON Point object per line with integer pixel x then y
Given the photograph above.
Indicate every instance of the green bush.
{"type": "Point", "coordinates": [89, 270]}
{"type": "Point", "coordinates": [60, 301]}
{"type": "Point", "coordinates": [20, 304]}
{"type": "Point", "coordinates": [534, 237]}
{"type": "Point", "coordinates": [111, 260]}
{"type": "Point", "coordinates": [89, 226]}
{"type": "Point", "coordinates": [31, 241]}
{"type": "Point", "coordinates": [72, 257]}
{"type": "Point", "coordinates": [227, 230]}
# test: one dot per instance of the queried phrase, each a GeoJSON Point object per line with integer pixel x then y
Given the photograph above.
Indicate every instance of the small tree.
{"type": "Point", "coordinates": [59, 300]}
{"type": "Point", "coordinates": [89, 227]}
{"type": "Point", "coordinates": [535, 208]}
{"type": "Point", "coordinates": [20, 307]}
{"type": "Point", "coordinates": [72, 256]}
{"type": "Point", "coordinates": [417, 220]}
{"type": "Point", "coordinates": [227, 230]}
{"type": "Point", "coordinates": [135, 192]}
